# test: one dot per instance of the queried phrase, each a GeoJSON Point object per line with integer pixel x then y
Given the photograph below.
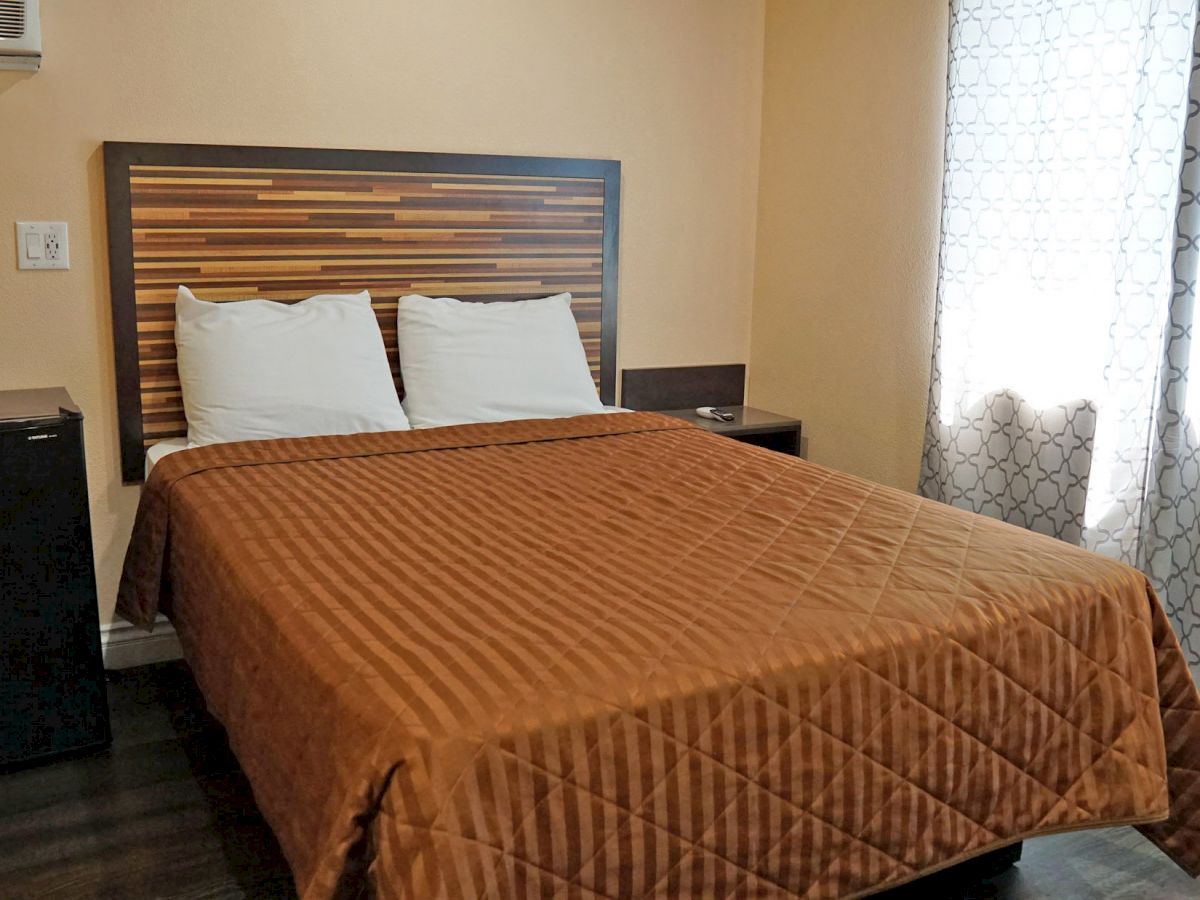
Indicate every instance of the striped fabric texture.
{"type": "Point", "coordinates": [617, 656]}
{"type": "Point", "coordinates": [286, 234]}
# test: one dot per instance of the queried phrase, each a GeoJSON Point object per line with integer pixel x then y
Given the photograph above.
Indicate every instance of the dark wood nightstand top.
{"type": "Point", "coordinates": [746, 420]}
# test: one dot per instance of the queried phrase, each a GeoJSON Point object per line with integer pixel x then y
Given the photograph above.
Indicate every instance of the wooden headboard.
{"type": "Point", "coordinates": [284, 224]}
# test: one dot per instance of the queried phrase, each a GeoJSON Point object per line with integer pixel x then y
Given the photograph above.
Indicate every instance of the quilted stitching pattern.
{"type": "Point", "coordinates": [616, 656]}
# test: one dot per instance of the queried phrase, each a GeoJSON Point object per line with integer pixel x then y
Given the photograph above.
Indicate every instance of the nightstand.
{"type": "Point", "coordinates": [751, 426]}
{"type": "Point", "coordinates": [52, 692]}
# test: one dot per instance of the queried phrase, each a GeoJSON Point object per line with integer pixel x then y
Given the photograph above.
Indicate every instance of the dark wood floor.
{"type": "Point", "coordinates": [167, 813]}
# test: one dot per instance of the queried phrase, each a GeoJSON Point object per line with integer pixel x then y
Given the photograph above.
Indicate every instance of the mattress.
{"type": "Point", "coordinates": [618, 656]}
{"type": "Point", "coordinates": [158, 450]}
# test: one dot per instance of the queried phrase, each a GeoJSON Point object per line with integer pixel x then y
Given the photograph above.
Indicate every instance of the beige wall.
{"type": "Point", "coordinates": [671, 88]}
{"type": "Point", "coordinates": [849, 200]}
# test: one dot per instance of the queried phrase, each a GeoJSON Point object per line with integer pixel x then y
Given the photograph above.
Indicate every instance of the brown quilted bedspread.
{"type": "Point", "coordinates": [617, 656]}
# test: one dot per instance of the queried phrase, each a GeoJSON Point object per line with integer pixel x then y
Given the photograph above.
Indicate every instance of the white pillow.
{"type": "Point", "coordinates": [254, 369]}
{"type": "Point", "coordinates": [490, 362]}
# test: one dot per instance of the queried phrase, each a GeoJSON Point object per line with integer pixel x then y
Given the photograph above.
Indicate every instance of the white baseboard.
{"type": "Point", "coordinates": [125, 645]}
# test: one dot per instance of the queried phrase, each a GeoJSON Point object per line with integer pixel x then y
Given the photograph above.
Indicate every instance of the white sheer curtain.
{"type": "Point", "coordinates": [1062, 187]}
{"type": "Point", "coordinates": [1169, 550]}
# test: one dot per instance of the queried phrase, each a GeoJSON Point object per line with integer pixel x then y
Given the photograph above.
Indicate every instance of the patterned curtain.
{"type": "Point", "coordinates": [1170, 548]}
{"type": "Point", "coordinates": [1070, 241]}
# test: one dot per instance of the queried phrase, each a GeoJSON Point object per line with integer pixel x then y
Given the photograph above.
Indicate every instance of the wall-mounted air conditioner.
{"type": "Point", "coordinates": [20, 35]}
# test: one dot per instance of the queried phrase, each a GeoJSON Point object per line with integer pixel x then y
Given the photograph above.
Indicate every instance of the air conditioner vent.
{"type": "Point", "coordinates": [12, 19]}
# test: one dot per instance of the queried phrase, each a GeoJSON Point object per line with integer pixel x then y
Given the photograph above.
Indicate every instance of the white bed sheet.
{"type": "Point", "coordinates": [155, 452]}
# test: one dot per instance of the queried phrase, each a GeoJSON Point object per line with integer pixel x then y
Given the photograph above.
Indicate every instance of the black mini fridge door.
{"type": "Point", "coordinates": [52, 696]}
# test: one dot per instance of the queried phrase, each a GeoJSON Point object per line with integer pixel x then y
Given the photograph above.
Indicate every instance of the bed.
{"type": "Point", "coordinates": [610, 655]}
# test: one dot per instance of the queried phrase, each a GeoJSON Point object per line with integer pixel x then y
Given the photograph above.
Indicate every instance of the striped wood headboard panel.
{"type": "Point", "coordinates": [284, 224]}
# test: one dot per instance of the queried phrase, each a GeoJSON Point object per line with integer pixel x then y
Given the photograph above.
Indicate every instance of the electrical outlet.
{"type": "Point", "coordinates": [43, 245]}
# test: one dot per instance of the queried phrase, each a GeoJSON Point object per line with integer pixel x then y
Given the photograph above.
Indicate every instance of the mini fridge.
{"type": "Point", "coordinates": [52, 694]}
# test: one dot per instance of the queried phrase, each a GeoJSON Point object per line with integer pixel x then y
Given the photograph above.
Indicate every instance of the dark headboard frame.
{"type": "Point", "coordinates": [120, 157]}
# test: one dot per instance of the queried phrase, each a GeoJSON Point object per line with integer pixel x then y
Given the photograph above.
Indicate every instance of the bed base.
{"type": "Point", "coordinates": [958, 882]}
{"type": "Point", "coordinates": [992, 864]}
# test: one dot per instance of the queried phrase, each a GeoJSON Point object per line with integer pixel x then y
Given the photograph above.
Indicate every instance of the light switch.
{"type": "Point", "coordinates": [42, 245]}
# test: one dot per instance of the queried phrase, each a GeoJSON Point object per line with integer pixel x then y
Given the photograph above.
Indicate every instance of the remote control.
{"type": "Point", "coordinates": [711, 412]}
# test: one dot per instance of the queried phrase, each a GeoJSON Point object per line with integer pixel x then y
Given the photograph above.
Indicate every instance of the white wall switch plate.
{"type": "Point", "coordinates": [43, 245]}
